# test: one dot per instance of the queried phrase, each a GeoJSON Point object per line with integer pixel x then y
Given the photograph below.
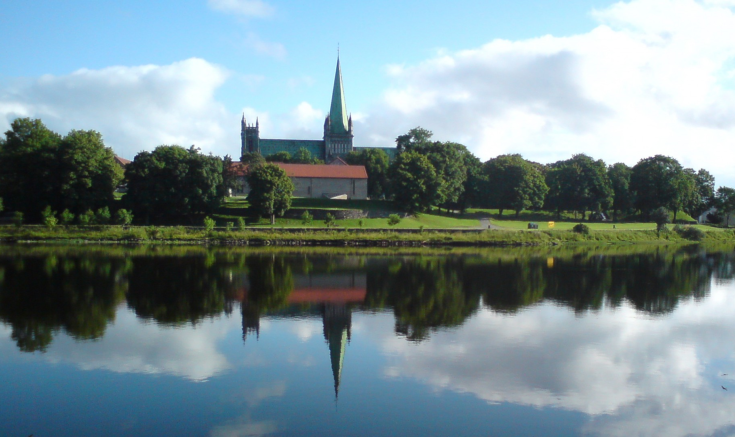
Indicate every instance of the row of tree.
{"type": "Point", "coordinates": [430, 173]}
{"type": "Point", "coordinates": [77, 173]}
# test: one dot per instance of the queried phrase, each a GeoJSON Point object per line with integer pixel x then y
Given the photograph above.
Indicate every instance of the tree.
{"type": "Point", "coordinates": [88, 172]}
{"type": "Point", "coordinates": [472, 195]}
{"type": "Point", "coordinates": [376, 164]}
{"type": "Point", "coordinates": [619, 175]}
{"type": "Point", "coordinates": [28, 176]}
{"type": "Point", "coordinates": [725, 203]}
{"type": "Point", "coordinates": [173, 182]}
{"type": "Point", "coordinates": [270, 191]}
{"type": "Point", "coordinates": [304, 156]}
{"type": "Point", "coordinates": [414, 181]}
{"type": "Point", "coordinates": [704, 196]}
{"type": "Point", "coordinates": [511, 182]}
{"type": "Point", "coordinates": [279, 157]}
{"type": "Point", "coordinates": [579, 184]}
{"type": "Point", "coordinates": [254, 158]}
{"type": "Point", "coordinates": [659, 181]}
{"type": "Point", "coordinates": [229, 177]}
{"type": "Point", "coordinates": [39, 168]}
{"type": "Point", "coordinates": [660, 216]}
{"type": "Point", "coordinates": [414, 137]}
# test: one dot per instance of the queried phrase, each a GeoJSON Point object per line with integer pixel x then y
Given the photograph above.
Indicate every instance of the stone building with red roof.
{"type": "Point", "coordinates": [316, 181]}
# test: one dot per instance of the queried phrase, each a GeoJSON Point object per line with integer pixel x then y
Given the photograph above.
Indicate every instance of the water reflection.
{"type": "Point", "coordinates": [637, 340]}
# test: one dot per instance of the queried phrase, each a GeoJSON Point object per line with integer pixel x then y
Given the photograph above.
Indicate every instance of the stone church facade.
{"type": "Point", "coordinates": [338, 134]}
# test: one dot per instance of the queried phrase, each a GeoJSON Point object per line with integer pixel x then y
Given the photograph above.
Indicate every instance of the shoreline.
{"type": "Point", "coordinates": [310, 237]}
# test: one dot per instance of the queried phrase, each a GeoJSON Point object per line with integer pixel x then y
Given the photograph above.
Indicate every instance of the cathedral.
{"type": "Point", "coordinates": [338, 134]}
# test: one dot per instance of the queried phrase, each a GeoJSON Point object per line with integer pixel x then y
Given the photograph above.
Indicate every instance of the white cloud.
{"type": "Point", "coordinates": [135, 108]}
{"type": "Point", "coordinates": [656, 76]}
{"type": "Point", "coordinates": [243, 8]}
{"type": "Point", "coordinates": [258, 45]}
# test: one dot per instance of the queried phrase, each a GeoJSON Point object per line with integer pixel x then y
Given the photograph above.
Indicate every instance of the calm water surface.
{"type": "Point", "coordinates": [236, 342]}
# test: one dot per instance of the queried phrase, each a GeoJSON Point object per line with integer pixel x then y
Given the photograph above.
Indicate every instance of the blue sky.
{"type": "Point", "coordinates": [617, 80]}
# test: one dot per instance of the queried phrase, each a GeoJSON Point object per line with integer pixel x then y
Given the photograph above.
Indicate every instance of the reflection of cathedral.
{"type": "Point", "coordinates": [330, 297]}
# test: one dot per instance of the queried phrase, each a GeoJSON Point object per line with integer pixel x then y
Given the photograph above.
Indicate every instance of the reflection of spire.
{"type": "Point", "coordinates": [250, 321]}
{"type": "Point", "coordinates": [337, 324]}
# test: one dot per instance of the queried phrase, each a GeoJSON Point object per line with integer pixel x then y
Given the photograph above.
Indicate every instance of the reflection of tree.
{"type": "Point", "coordinates": [270, 282]}
{"type": "Point", "coordinates": [425, 293]}
{"type": "Point", "coordinates": [44, 294]}
{"type": "Point", "coordinates": [175, 290]}
{"type": "Point", "coordinates": [507, 286]}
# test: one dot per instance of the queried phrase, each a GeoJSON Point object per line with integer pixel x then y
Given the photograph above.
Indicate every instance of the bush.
{"type": "Point", "coordinates": [18, 218]}
{"type": "Point", "coordinates": [152, 232]}
{"type": "Point", "coordinates": [102, 216]}
{"type": "Point", "coordinates": [690, 233]}
{"type": "Point", "coordinates": [85, 218]}
{"type": "Point", "coordinates": [393, 219]}
{"type": "Point", "coordinates": [581, 228]}
{"type": "Point", "coordinates": [66, 217]}
{"type": "Point", "coordinates": [123, 217]}
{"type": "Point", "coordinates": [660, 216]}
{"type": "Point", "coordinates": [209, 224]}
{"type": "Point", "coordinates": [306, 218]}
{"type": "Point", "coordinates": [49, 218]}
{"type": "Point", "coordinates": [361, 222]}
{"type": "Point", "coordinates": [229, 226]}
{"type": "Point", "coordinates": [329, 220]}
{"type": "Point", "coordinates": [240, 224]}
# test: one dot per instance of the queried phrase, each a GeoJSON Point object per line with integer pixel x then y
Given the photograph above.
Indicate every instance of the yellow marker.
{"type": "Point", "coordinates": [550, 262]}
{"type": "Point", "coordinates": [551, 225]}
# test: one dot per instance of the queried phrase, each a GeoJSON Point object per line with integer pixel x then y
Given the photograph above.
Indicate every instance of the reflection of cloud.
{"type": "Point", "coordinates": [245, 427]}
{"type": "Point", "coordinates": [276, 390]}
{"type": "Point", "coordinates": [305, 329]}
{"type": "Point", "coordinates": [133, 346]}
{"type": "Point", "coordinates": [632, 374]}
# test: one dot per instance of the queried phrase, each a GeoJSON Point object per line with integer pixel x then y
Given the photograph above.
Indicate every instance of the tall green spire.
{"type": "Point", "coordinates": [338, 111]}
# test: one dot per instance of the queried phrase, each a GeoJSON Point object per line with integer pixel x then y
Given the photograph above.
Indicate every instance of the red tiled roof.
{"type": "Point", "coordinates": [313, 171]}
{"type": "Point", "coordinates": [324, 295]}
{"type": "Point", "coordinates": [122, 161]}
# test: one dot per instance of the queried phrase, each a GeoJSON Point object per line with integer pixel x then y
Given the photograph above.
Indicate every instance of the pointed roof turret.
{"type": "Point", "coordinates": [338, 110]}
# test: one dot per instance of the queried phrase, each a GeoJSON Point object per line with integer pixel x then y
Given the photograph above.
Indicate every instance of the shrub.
{"type": "Point", "coordinates": [102, 216]}
{"type": "Point", "coordinates": [329, 220]}
{"type": "Point", "coordinates": [690, 233]}
{"type": "Point", "coordinates": [240, 224]}
{"type": "Point", "coordinates": [123, 217]}
{"type": "Point", "coordinates": [49, 218]}
{"type": "Point", "coordinates": [85, 218]}
{"type": "Point", "coordinates": [229, 226]}
{"type": "Point", "coordinates": [581, 228]}
{"type": "Point", "coordinates": [306, 218]}
{"type": "Point", "coordinates": [209, 224]}
{"type": "Point", "coordinates": [660, 216]}
{"type": "Point", "coordinates": [66, 217]}
{"type": "Point", "coordinates": [361, 222]}
{"type": "Point", "coordinates": [152, 232]}
{"type": "Point", "coordinates": [18, 218]}
{"type": "Point", "coordinates": [393, 219]}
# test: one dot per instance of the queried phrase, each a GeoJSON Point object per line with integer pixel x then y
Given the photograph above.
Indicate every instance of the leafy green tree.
{"type": "Point", "coordinates": [254, 158]}
{"type": "Point", "coordinates": [18, 218]}
{"type": "Point", "coordinates": [229, 176]}
{"type": "Point", "coordinates": [660, 181]}
{"type": "Point", "coordinates": [102, 216]}
{"type": "Point", "coordinates": [284, 157]}
{"type": "Point", "coordinates": [270, 191]}
{"type": "Point", "coordinates": [414, 137]}
{"type": "Point", "coordinates": [579, 184]}
{"type": "Point", "coordinates": [240, 224]}
{"type": "Point", "coordinates": [49, 218]}
{"type": "Point", "coordinates": [66, 217]}
{"type": "Point", "coordinates": [414, 182]}
{"type": "Point", "coordinates": [86, 217]}
{"type": "Point", "coordinates": [304, 156]}
{"type": "Point", "coordinates": [376, 164]}
{"type": "Point", "coordinates": [660, 216]}
{"type": "Point", "coordinates": [394, 219]}
{"type": "Point", "coordinates": [123, 217]}
{"type": "Point", "coordinates": [474, 185]}
{"type": "Point", "coordinates": [173, 182]}
{"type": "Point", "coordinates": [89, 173]}
{"type": "Point", "coordinates": [306, 218]}
{"type": "Point", "coordinates": [29, 178]}
{"type": "Point", "coordinates": [513, 183]}
{"type": "Point", "coordinates": [619, 175]}
{"type": "Point", "coordinates": [209, 224]}
{"type": "Point", "coordinates": [725, 203]}
{"type": "Point", "coordinates": [704, 195]}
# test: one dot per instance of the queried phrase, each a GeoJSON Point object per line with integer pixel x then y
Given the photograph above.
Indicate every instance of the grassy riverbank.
{"type": "Point", "coordinates": [359, 237]}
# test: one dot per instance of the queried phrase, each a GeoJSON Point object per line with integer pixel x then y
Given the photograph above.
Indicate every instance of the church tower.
{"type": "Point", "coordinates": [250, 136]}
{"type": "Point", "coordinates": [338, 125]}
